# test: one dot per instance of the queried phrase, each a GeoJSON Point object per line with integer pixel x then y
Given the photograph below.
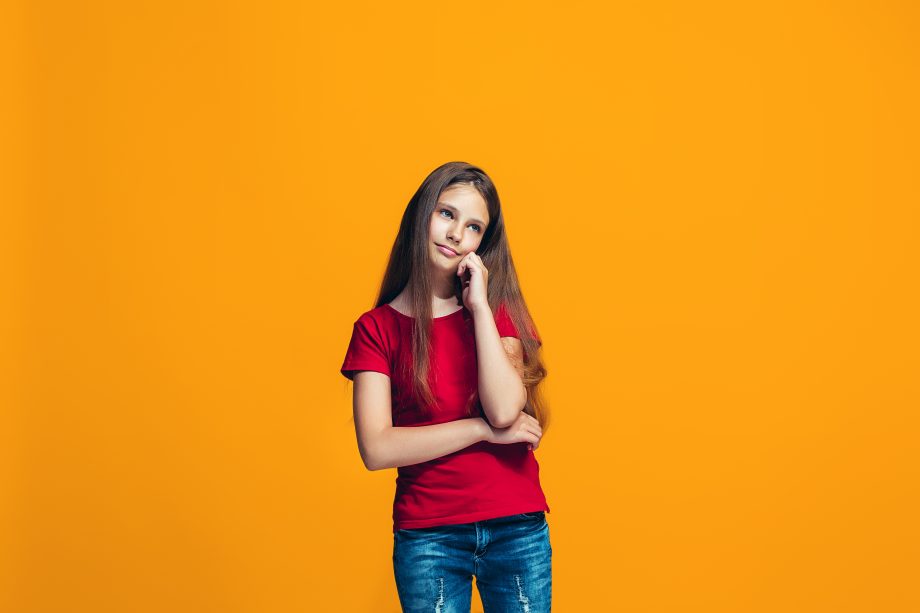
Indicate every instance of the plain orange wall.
{"type": "Point", "coordinates": [713, 207]}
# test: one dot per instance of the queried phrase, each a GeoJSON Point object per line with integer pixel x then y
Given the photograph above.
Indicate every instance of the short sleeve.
{"type": "Point", "coordinates": [506, 326]}
{"type": "Point", "coordinates": [366, 350]}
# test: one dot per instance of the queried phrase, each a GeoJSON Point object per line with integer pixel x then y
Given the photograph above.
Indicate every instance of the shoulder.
{"type": "Point", "coordinates": [504, 322]}
{"type": "Point", "coordinates": [372, 341]}
{"type": "Point", "coordinates": [380, 323]}
{"type": "Point", "coordinates": [510, 329]}
{"type": "Point", "coordinates": [381, 316]}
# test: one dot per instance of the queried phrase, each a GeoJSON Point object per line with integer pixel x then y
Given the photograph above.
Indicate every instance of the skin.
{"type": "Point", "coordinates": [500, 388]}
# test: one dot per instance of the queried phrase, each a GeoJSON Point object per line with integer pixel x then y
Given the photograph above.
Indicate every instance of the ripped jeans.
{"type": "Point", "coordinates": [511, 558]}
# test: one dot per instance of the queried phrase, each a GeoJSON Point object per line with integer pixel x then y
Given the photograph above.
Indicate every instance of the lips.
{"type": "Point", "coordinates": [446, 250]}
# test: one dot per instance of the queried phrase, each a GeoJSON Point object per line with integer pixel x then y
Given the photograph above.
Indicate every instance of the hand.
{"type": "Point", "coordinates": [525, 429]}
{"type": "Point", "coordinates": [475, 280]}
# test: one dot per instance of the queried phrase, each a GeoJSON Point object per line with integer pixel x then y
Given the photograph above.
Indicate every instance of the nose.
{"type": "Point", "coordinates": [454, 234]}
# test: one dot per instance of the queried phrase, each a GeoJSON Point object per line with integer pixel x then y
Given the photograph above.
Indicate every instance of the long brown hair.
{"type": "Point", "coordinates": [408, 266]}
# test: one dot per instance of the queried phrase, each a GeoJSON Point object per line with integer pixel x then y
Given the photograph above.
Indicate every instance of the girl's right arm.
{"type": "Point", "coordinates": [384, 446]}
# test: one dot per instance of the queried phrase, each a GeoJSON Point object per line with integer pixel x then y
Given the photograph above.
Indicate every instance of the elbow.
{"type": "Point", "coordinates": [508, 416]}
{"type": "Point", "coordinates": [370, 458]}
{"type": "Point", "coordinates": [373, 464]}
{"type": "Point", "coordinates": [504, 422]}
{"type": "Point", "coordinates": [374, 450]}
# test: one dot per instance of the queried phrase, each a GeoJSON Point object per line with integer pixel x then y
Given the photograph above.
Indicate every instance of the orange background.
{"type": "Point", "coordinates": [713, 211]}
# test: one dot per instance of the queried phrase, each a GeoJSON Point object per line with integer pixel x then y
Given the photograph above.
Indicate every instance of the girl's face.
{"type": "Point", "coordinates": [457, 226]}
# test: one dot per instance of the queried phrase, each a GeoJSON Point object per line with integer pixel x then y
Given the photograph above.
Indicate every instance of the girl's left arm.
{"type": "Point", "coordinates": [501, 391]}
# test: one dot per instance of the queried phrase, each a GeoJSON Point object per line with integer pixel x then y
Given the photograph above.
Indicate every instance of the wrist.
{"type": "Point", "coordinates": [485, 430]}
{"type": "Point", "coordinates": [480, 310]}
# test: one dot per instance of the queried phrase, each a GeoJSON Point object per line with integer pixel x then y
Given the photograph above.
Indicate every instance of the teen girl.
{"type": "Point", "coordinates": [445, 370]}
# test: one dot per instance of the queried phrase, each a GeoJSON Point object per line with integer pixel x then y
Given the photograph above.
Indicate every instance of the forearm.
{"type": "Point", "coordinates": [402, 446]}
{"type": "Point", "coordinates": [501, 391]}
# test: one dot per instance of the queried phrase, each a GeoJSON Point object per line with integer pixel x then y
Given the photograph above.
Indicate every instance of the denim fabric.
{"type": "Point", "coordinates": [510, 556]}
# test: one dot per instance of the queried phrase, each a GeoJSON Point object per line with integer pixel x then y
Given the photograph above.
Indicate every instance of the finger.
{"type": "Point", "coordinates": [535, 428]}
{"type": "Point", "coordinates": [535, 431]}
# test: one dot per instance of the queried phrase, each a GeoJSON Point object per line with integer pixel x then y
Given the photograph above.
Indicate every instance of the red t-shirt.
{"type": "Point", "coordinates": [482, 481]}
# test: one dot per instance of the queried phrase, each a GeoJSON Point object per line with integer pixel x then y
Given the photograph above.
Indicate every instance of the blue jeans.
{"type": "Point", "coordinates": [511, 558]}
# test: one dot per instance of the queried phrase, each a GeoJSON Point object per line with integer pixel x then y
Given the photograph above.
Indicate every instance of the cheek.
{"type": "Point", "coordinates": [435, 227]}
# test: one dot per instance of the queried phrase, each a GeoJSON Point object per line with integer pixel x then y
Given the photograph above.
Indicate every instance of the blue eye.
{"type": "Point", "coordinates": [478, 229]}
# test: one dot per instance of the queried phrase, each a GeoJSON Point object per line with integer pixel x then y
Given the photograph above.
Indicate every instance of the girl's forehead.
{"type": "Point", "coordinates": [467, 200]}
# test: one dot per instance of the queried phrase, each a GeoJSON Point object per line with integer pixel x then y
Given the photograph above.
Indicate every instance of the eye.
{"type": "Point", "coordinates": [478, 228]}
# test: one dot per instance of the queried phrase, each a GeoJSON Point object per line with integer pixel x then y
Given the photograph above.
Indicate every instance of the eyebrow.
{"type": "Point", "coordinates": [454, 209]}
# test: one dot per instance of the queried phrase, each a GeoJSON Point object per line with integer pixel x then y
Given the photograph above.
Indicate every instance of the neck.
{"type": "Point", "coordinates": [442, 289]}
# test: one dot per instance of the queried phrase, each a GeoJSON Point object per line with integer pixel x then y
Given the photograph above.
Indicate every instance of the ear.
{"type": "Point", "coordinates": [515, 350]}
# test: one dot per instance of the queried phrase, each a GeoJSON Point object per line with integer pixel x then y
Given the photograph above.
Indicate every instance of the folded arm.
{"type": "Point", "coordinates": [384, 446]}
